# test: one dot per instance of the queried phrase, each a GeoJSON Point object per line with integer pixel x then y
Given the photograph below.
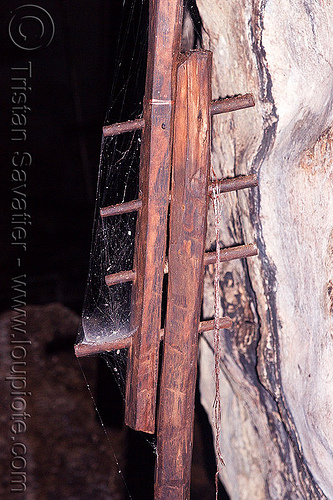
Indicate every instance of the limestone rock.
{"type": "Point", "coordinates": [277, 364]}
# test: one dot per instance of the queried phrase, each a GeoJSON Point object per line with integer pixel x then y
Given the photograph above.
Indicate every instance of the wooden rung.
{"type": "Point", "coordinates": [226, 254]}
{"type": "Point", "coordinates": [225, 185]}
{"type": "Point", "coordinates": [121, 128]}
{"type": "Point", "coordinates": [206, 326]}
{"type": "Point", "coordinates": [234, 184]}
{"type": "Point", "coordinates": [232, 104]}
{"type": "Point", "coordinates": [217, 107]}
{"type": "Point", "coordinates": [122, 277]}
{"type": "Point", "coordinates": [121, 208]}
{"type": "Point", "coordinates": [232, 253]}
{"type": "Point", "coordinates": [87, 349]}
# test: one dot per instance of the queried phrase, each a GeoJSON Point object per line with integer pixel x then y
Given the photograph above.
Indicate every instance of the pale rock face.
{"type": "Point", "coordinates": [277, 363]}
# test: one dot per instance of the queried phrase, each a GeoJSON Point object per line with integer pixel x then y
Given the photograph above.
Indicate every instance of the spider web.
{"type": "Point", "coordinates": [106, 310]}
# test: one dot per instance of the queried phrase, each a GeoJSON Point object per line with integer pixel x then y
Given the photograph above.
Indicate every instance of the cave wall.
{"type": "Point", "coordinates": [276, 368]}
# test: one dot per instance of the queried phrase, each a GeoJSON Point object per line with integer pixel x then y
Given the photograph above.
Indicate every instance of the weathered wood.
{"type": "Point", "coordinates": [223, 322]}
{"type": "Point", "coordinates": [165, 21]}
{"type": "Point", "coordinates": [121, 277]}
{"type": "Point", "coordinates": [217, 107]}
{"type": "Point", "coordinates": [86, 349]}
{"type": "Point", "coordinates": [231, 253]}
{"type": "Point", "coordinates": [121, 208]}
{"type": "Point", "coordinates": [226, 254]}
{"type": "Point", "coordinates": [122, 127]}
{"type": "Point", "coordinates": [232, 104]}
{"type": "Point", "coordinates": [277, 364]}
{"type": "Point", "coordinates": [234, 184]}
{"type": "Point", "coordinates": [188, 213]}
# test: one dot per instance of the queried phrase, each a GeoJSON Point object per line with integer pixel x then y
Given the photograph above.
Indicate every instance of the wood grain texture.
{"type": "Point", "coordinates": [121, 208]}
{"type": "Point", "coordinates": [188, 213]}
{"type": "Point", "coordinates": [276, 371]}
{"type": "Point", "coordinates": [85, 349]}
{"type": "Point", "coordinates": [165, 20]}
{"type": "Point", "coordinates": [121, 128]}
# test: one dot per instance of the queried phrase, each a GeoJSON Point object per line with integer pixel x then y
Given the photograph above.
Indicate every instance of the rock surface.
{"type": "Point", "coordinates": [276, 368]}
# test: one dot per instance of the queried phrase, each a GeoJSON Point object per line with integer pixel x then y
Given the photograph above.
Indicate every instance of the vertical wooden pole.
{"type": "Point", "coordinates": [189, 199]}
{"type": "Point", "coordinates": [165, 21]}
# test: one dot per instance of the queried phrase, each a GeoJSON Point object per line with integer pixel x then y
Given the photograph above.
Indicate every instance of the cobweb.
{"type": "Point", "coordinates": [106, 310]}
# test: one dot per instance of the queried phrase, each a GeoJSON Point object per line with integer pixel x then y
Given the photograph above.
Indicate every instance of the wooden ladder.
{"type": "Point", "coordinates": [176, 131]}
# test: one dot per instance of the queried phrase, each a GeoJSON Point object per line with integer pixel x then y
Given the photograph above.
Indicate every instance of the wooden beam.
{"type": "Point", "coordinates": [165, 22]}
{"type": "Point", "coordinates": [188, 213]}
{"type": "Point", "coordinates": [87, 349]}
